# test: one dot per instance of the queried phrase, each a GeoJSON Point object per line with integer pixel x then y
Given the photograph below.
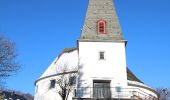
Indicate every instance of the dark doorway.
{"type": "Point", "coordinates": [101, 89]}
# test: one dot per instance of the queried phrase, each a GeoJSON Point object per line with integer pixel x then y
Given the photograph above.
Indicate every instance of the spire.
{"type": "Point", "coordinates": [101, 22]}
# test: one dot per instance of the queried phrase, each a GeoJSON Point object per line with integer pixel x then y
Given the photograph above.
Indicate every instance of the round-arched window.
{"type": "Point", "coordinates": [101, 27]}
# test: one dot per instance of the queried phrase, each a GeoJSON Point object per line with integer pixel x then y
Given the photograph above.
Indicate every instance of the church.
{"type": "Point", "coordinates": [96, 68]}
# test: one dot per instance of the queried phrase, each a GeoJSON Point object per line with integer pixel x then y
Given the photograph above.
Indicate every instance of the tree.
{"type": "Point", "coordinates": [14, 95]}
{"type": "Point", "coordinates": [1, 97]}
{"type": "Point", "coordinates": [66, 82]}
{"type": "Point", "coordinates": [164, 93]}
{"type": "Point", "coordinates": [8, 64]}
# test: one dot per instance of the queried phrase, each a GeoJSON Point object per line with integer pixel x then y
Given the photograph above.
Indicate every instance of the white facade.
{"type": "Point", "coordinates": [94, 71]}
{"type": "Point", "coordinates": [112, 67]}
{"type": "Point", "coordinates": [99, 62]}
{"type": "Point", "coordinates": [42, 90]}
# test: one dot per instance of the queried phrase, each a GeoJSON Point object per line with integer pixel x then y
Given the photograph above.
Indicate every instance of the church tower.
{"type": "Point", "coordinates": [101, 46]}
{"type": "Point", "coordinates": [101, 22]}
{"type": "Point", "coordinates": [96, 68]}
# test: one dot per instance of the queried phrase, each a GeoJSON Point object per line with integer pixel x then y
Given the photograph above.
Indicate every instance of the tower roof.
{"type": "Point", "coordinates": [101, 10]}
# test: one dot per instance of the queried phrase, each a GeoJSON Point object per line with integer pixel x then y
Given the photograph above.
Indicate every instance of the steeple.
{"type": "Point", "coordinates": [101, 22]}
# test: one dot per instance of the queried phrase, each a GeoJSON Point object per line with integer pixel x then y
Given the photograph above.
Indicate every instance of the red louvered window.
{"type": "Point", "coordinates": [101, 27]}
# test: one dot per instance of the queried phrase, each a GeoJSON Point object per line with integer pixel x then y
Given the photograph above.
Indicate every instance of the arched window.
{"type": "Point", "coordinates": [101, 27]}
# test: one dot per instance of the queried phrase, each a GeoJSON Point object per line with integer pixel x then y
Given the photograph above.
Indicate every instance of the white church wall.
{"type": "Point", "coordinates": [43, 88]}
{"type": "Point", "coordinates": [42, 91]}
{"type": "Point", "coordinates": [67, 61]}
{"type": "Point", "coordinates": [113, 67]}
{"type": "Point", "coordinates": [88, 59]}
{"type": "Point", "coordinates": [51, 69]}
{"type": "Point", "coordinates": [143, 89]}
{"type": "Point", "coordinates": [142, 92]}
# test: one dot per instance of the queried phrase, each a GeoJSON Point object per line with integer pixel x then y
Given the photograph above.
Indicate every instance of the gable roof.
{"type": "Point", "coordinates": [66, 50]}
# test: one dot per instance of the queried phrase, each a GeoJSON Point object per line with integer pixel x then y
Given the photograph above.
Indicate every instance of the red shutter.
{"type": "Point", "coordinates": [101, 27]}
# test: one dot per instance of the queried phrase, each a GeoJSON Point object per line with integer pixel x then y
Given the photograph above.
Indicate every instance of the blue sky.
{"type": "Point", "coordinates": [41, 29]}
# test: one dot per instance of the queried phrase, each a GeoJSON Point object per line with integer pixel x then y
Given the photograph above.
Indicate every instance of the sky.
{"type": "Point", "coordinates": [41, 29]}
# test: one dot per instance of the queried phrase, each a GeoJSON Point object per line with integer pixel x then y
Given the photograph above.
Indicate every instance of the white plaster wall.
{"type": "Point", "coordinates": [143, 92]}
{"type": "Point", "coordinates": [140, 88]}
{"type": "Point", "coordinates": [42, 91]}
{"type": "Point", "coordinates": [68, 60]}
{"type": "Point", "coordinates": [112, 68]}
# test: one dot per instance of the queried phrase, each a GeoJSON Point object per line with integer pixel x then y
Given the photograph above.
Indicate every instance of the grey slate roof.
{"type": "Point", "coordinates": [67, 50]}
{"type": "Point", "coordinates": [132, 76]}
{"type": "Point", "coordinates": [101, 9]}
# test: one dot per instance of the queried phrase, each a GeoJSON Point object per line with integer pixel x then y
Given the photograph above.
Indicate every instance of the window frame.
{"type": "Point", "coordinates": [105, 86]}
{"type": "Point", "coordinates": [101, 25]}
{"type": "Point", "coordinates": [52, 83]}
{"type": "Point", "coordinates": [104, 56]}
{"type": "Point", "coordinates": [72, 80]}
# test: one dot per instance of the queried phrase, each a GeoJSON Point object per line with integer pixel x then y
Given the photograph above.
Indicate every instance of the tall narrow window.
{"type": "Point", "coordinates": [52, 84]}
{"type": "Point", "coordinates": [72, 80]}
{"type": "Point", "coordinates": [101, 56]}
{"type": "Point", "coordinates": [101, 27]}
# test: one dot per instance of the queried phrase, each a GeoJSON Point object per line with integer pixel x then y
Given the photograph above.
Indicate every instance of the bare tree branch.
{"type": "Point", "coordinates": [8, 64]}
{"type": "Point", "coordinates": [164, 93]}
{"type": "Point", "coordinates": [66, 83]}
